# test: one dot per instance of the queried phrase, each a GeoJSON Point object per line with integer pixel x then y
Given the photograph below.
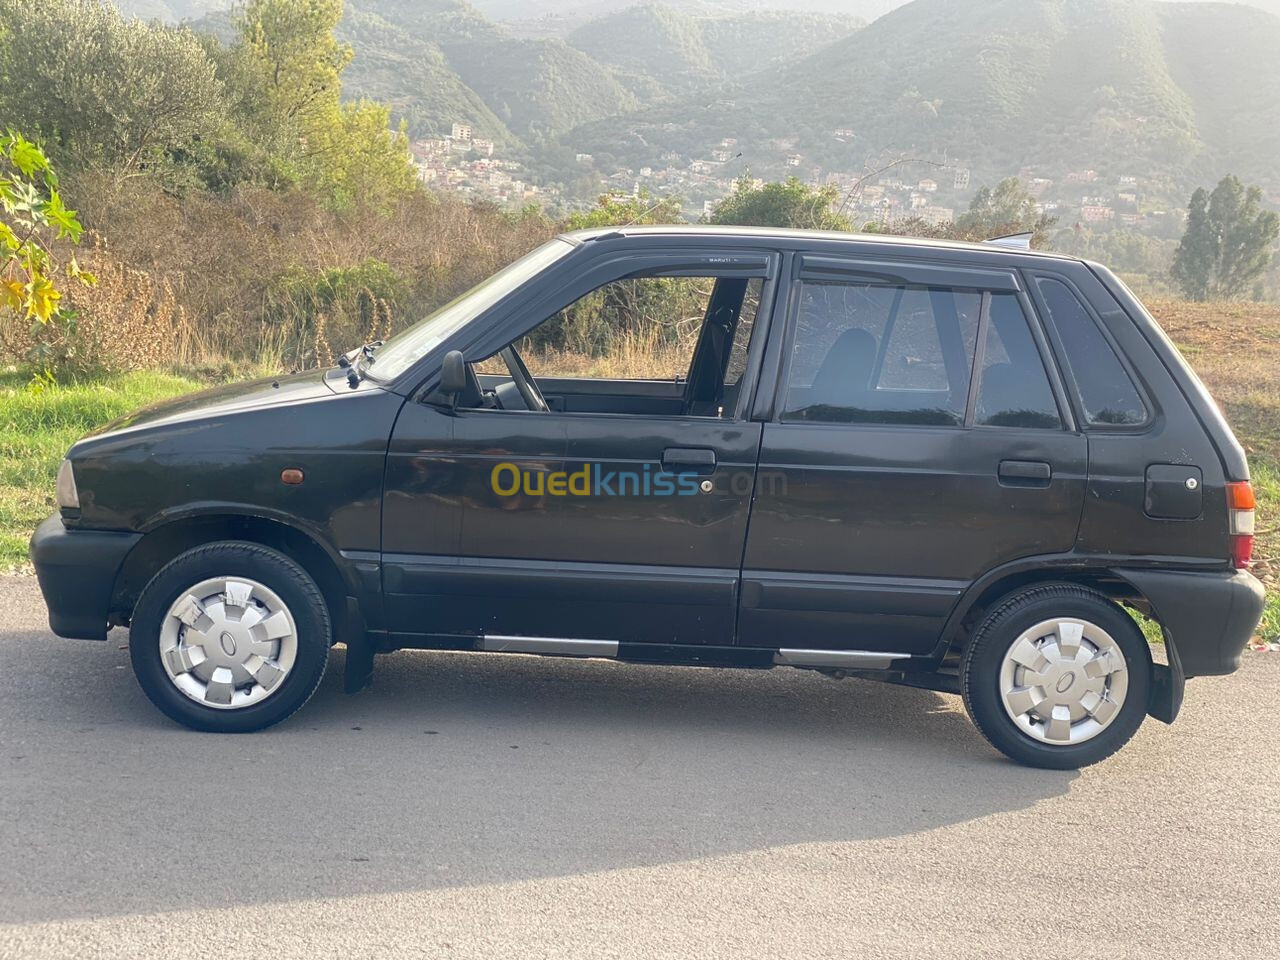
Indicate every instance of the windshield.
{"type": "Point", "coordinates": [409, 346]}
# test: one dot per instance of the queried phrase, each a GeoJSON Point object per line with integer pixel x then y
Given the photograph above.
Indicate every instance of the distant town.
{"type": "Point", "coordinates": [473, 166]}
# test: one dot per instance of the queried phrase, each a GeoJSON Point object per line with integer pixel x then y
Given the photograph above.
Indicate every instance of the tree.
{"type": "Point", "coordinates": [101, 90]}
{"type": "Point", "coordinates": [612, 210]}
{"type": "Point", "coordinates": [299, 59]}
{"type": "Point", "coordinates": [32, 218]}
{"type": "Point", "coordinates": [1008, 209]}
{"type": "Point", "coordinates": [790, 203]}
{"type": "Point", "coordinates": [1229, 242]}
{"type": "Point", "coordinates": [286, 77]}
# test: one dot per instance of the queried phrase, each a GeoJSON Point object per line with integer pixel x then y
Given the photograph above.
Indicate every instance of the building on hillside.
{"type": "Point", "coordinates": [461, 131]}
{"type": "Point", "coordinates": [583, 158]}
{"type": "Point", "coordinates": [927, 186]}
{"type": "Point", "coordinates": [961, 179]}
{"type": "Point", "coordinates": [1096, 213]}
{"type": "Point", "coordinates": [483, 147]}
{"type": "Point", "coordinates": [794, 160]}
{"type": "Point", "coordinates": [936, 216]}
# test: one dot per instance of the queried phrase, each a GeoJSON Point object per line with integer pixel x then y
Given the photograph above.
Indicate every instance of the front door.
{"type": "Point", "coordinates": [619, 513]}
{"type": "Point", "coordinates": [891, 476]}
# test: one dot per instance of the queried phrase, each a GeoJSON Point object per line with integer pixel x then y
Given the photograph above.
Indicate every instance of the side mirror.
{"type": "Point", "coordinates": [453, 375]}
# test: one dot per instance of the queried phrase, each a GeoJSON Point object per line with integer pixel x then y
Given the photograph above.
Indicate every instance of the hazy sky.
{"type": "Point", "coordinates": [520, 9]}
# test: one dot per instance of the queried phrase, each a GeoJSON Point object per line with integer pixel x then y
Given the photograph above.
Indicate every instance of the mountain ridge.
{"type": "Point", "coordinates": [999, 86]}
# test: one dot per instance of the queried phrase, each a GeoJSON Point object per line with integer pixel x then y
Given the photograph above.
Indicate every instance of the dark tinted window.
{"type": "Point", "coordinates": [1015, 389]}
{"type": "Point", "coordinates": [1106, 392]}
{"type": "Point", "coordinates": [877, 353]}
{"type": "Point", "coordinates": [742, 335]}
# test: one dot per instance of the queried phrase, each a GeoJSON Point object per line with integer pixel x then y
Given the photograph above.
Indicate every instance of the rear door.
{"type": "Point", "coordinates": [917, 438]}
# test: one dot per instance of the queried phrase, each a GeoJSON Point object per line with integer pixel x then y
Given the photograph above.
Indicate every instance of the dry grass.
{"type": "Point", "coordinates": [1235, 348]}
{"type": "Point", "coordinates": [268, 278]}
{"type": "Point", "coordinates": [628, 362]}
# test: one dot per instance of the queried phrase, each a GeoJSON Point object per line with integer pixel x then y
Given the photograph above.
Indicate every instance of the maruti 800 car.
{"type": "Point", "coordinates": [943, 465]}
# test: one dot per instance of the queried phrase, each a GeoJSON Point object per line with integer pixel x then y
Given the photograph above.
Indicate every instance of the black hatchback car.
{"type": "Point", "coordinates": [942, 465]}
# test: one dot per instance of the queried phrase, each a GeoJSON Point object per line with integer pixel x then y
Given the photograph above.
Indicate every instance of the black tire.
{"type": "Point", "coordinates": [995, 636]}
{"type": "Point", "coordinates": [273, 570]}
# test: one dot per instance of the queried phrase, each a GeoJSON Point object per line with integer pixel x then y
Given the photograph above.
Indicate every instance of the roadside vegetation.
{"type": "Point", "coordinates": [38, 425]}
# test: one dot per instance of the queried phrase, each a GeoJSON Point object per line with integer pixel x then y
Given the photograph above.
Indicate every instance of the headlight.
{"type": "Point", "coordinates": [68, 496]}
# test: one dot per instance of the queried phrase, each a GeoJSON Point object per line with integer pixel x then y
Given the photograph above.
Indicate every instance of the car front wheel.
{"type": "Point", "coordinates": [1057, 676]}
{"type": "Point", "coordinates": [230, 637]}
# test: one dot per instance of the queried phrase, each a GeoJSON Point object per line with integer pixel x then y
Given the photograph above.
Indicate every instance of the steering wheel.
{"type": "Point", "coordinates": [523, 380]}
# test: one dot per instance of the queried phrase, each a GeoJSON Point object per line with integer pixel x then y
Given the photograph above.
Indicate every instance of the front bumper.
{"type": "Point", "coordinates": [77, 573]}
{"type": "Point", "coordinates": [1208, 618]}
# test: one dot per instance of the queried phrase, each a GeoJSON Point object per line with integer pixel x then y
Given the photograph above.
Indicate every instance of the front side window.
{"type": "Point", "coordinates": [643, 344]}
{"type": "Point", "coordinates": [882, 353]}
{"type": "Point", "coordinates": [645, 328]}
{"type": "Point", "coordinates": [1107, 393]}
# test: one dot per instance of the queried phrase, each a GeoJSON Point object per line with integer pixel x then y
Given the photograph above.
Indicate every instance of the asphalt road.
{"type": "Point", "coordinates": [482, 806]}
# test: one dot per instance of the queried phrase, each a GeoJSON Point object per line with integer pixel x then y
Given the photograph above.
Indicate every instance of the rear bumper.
{"type": "Point", "coordinates": [77, 573]}
{"type": "Point", "coordinates": [1207, 618]}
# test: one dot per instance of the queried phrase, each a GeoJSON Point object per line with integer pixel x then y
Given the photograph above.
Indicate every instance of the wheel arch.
{"type": "Point", "coordinates": [163, 543]}
{"type": "Point", "coordinates": [1168, 682]}
{"type": "Point", "coordinates": [988, 592]}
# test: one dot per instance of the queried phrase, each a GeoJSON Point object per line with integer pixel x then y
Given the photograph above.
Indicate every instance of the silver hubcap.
{"type": "Point", "coordinates": [1064, 681]}
{"type": "Point", "coordinates": [228, 642]}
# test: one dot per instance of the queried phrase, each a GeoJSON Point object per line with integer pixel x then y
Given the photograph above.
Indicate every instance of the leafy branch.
{"type": "Point", "coordinates": [33, 218]}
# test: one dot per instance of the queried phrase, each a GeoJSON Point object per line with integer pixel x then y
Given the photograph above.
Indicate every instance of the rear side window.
{"type": "Point", "coordinates": [880, 353]}
{"type": "Point", "coordinates": [1107, 393]}
{"type": "Point", "coordinates": [1015, 389]}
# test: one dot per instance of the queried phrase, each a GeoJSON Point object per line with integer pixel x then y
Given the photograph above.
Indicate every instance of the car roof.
{"type": "Point", "coordinates": [797, 238]}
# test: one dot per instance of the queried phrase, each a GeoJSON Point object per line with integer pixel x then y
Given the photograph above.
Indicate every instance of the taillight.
{"type": "Point", "coordinates": [1240, 512]}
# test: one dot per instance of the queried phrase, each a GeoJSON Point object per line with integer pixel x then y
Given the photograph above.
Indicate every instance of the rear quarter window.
{"type": "Point", "coordinates": [1108, 396]}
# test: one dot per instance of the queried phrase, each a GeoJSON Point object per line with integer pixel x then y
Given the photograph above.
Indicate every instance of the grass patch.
{"type": "Point", "coordinates": [1235, 348]}
{"type": "Point", "coordinates": [37, 428]}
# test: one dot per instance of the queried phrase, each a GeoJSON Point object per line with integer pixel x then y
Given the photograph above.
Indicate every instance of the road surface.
{"type": "Point", "coordinates": [512, 807]}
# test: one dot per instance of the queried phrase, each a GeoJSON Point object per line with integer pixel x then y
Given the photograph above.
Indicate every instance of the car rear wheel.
{"type": "Point", "coordinates": [1057, 676]}
{"type": "Point", "coordinates": [230, 637]}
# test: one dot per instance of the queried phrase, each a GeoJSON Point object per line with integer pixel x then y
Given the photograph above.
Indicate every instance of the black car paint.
{"type": "Point", "coordinates": [890, 539]}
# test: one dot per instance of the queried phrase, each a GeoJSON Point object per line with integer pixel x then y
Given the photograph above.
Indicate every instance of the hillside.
{"type": "Point", "coordinates": [465, 67]}
{"type": "Point", "coordinates": [172, 10]}
{"type": "Point", "coordinates": [414, 77]}
{"type": "Point", "coordinates": [656, 47]}
{"type": "Point", "coordinates": [574, 11]}
{"type": "Point", "coordinates": [1178, 90]}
